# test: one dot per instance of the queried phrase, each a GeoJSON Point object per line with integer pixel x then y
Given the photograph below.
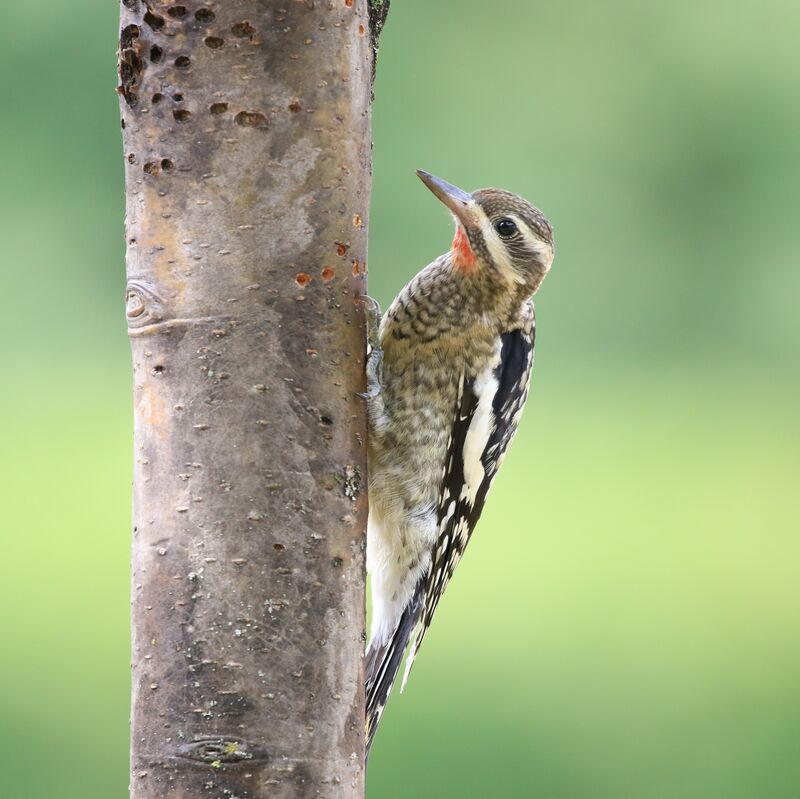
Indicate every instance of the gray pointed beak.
{"type": "Point", "coordinates": [458, 201]}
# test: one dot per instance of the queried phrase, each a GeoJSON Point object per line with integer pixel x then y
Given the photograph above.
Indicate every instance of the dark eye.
{"type": "Point", "coordinates": [505, 227]}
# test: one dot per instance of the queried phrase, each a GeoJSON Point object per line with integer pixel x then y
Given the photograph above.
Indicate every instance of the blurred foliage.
{"type": "Point", "coordinates": [626, 621]}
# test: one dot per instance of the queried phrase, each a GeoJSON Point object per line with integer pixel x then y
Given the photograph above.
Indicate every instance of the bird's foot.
{"type": "Point", "coordinates": [373, 312]}
{"type": "Point", "coordinates": [375, 358]}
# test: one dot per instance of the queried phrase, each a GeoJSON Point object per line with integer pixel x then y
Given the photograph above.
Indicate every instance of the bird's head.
{"type": "Point", "coordinates": [497, 233]}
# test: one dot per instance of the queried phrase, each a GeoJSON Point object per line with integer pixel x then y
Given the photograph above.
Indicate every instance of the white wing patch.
{"type": "Point", "coordinates": [480, 428]}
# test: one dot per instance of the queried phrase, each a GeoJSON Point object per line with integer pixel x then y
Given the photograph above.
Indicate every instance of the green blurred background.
{"type": "Point", "coordinates": [626, 622]}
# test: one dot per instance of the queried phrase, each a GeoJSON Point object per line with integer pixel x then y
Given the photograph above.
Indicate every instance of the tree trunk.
{"type": "Point", "coordinates": [247, 140]}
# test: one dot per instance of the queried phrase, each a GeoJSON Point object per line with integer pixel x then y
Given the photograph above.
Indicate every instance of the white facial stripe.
{"type": "Point", "coordinates": [497, 249]}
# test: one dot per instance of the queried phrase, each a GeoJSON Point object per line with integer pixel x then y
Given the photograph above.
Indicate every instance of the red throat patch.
{"type": "Point", "coordinates": [463, 257]}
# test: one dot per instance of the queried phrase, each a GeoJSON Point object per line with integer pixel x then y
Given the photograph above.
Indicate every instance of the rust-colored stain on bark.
{"type": "Point", "coordinates": [328, 274]}
{"type": "Point", "coordinates": [302, 279]}
{"type": "Point", "coordinates": [359, 267]}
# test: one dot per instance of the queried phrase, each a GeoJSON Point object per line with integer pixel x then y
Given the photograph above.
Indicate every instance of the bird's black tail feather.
{"type": "Point", "coordinates": [383, 662]}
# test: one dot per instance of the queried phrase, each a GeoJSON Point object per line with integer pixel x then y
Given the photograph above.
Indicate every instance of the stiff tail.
{"type": "Point", "coordinates": [383, 662]}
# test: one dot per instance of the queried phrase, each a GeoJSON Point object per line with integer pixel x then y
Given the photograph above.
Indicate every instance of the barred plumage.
{"type": "Point", "coordinates": [449, 377]}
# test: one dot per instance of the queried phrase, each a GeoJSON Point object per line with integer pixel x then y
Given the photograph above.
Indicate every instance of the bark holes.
{"type": "Point", "coordinates": [204, 15]}
{"type": "Point", "coordinates": [182, 115]}
{"type": "Point", "coordinates": [214, 42]}
{"type": "Point", "coordinates": [130, 64]}
{"type": "Point", "coordinates": [154, 167]}
{"type": "Point", "coordinates": [218, 108]}
{"type": "Point", "coordinates": [183, 62]}
{"type": "Point", "coordinates": [177, 12]}
{"type": "Point", "coordinates": [250, 119]}
{"type": "Point", "coordinates": [129, 34]}
{"type": "Point", "coordinates": [241, 30]}
{"type": "Point", "coordinates": [302, 279]}
{"type": "Point", "coordinates": [156, 54]}
{"type": "Point", "coordinates": [153, 21]}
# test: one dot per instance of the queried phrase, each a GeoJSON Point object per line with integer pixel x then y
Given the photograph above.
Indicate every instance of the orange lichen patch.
{"type": "Point", "coordinates": [328, 274]}
{"type": "Point", "coordinates": [358, 267]}
{"type": "Point", "coordinates": [302, 279]}
{"type": "Point", "coordinates": [341, 248]}
{"type": "Point", "coordinates": [361, 30]}
{"type": "Point", "coordinates": [463, 257]}
{"type": "Point", "coordinates": [348, 3]}
{"type": "Point", "coordinates": [357, 221]}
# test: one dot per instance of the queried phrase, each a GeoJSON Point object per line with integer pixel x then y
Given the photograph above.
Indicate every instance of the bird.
{"type": "Point", "coordinates": [448, 374]}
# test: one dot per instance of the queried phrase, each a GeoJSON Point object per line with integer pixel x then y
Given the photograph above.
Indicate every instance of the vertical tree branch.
{"type": "Point", "coordinates": [247, 140]}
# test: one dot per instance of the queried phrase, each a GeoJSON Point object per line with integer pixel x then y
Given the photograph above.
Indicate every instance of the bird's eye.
{"type": "Point", "coordinates": [505, 227]}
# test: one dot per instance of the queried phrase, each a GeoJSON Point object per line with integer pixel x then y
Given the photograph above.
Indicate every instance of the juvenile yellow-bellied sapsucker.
{"type": "Point", "coordinates": [448, 377]}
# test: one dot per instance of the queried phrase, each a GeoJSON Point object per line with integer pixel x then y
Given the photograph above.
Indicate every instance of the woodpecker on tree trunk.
{"type": "Point", "coordinates": [448, 376]}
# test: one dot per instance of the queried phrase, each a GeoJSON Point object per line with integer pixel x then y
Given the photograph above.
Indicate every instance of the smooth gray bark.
{"type": "Point", "coordinates": [246, 127]}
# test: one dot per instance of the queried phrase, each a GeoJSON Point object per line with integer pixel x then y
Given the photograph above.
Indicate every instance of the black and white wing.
{"type": "Point", "coordinates": [486, 418]}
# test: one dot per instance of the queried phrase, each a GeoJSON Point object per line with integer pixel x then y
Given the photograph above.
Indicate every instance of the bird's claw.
{"type": "Point", "coordinates": [373, 313]}
{"type": "Point", "coordinates": [373, 370]}
{"type": "Point", "coordinates": [371, 394]}
{"type": "Point", "coordinates": [375, 358]}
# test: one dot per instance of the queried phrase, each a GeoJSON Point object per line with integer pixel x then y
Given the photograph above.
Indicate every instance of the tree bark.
{"type": "Point", "coordinates": [246, 127]}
